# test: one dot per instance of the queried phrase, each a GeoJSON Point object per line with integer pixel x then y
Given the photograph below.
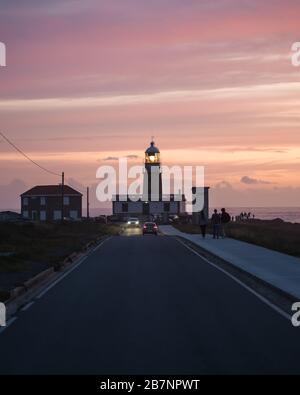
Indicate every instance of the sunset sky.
{"type": "Point", "coordinates": [89, 81]}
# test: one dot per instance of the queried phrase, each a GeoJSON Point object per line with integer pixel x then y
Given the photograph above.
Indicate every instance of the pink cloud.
{"type": "Point", "coordinates": [77, 50]}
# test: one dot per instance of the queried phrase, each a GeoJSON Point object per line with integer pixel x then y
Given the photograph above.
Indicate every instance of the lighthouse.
{"type": "Point", "coordinates": [152, 187]}
{"type": "Point", "coordinates": [152, 204]}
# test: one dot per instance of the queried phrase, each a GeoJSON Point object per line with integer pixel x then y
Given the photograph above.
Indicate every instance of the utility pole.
{"type": "Point", "coordinates": [62, 195]}
{"type": "Point", "coordinates": [88, 202]}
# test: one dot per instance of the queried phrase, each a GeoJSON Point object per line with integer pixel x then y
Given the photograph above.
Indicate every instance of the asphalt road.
{"type": "Point", "coordinates": [148, 305]}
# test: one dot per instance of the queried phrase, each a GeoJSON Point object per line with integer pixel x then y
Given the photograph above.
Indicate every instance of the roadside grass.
{"type": "Point", "coordinates": [28, 248]}
{"type": "Point", "coordinates": [276, 235]}
{"type": "Point", "coordinates": [47, 243]}
{"type": "Point", "coordinates": [188, 228]}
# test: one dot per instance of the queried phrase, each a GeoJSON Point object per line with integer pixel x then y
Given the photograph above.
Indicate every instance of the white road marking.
{"type": "Point", "coordinates": [2, 329]}
{"type": "Point", "coordinates": [101, 244]}
{"type": "Point", "coordinates": [263, 299]}
{"type": "Point", "coordinates": [60, 278]}
{"type": "Point", "coordinates": [26, 307]}
{"type": "Point", "coordinates": [69, 271]}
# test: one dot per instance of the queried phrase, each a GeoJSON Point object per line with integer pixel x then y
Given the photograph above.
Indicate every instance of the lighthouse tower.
{"type": "Point", "coordinates": [152, 187]}
{"type": "Point", "coordinates": [152, 205]}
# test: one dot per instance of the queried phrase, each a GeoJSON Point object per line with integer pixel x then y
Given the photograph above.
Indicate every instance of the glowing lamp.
{"type": "Point", "coordinates": [152, 154]}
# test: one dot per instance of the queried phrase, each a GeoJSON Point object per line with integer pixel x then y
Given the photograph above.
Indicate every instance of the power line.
{"type": "Point", "coordinates": [27, 157]}
{"type": "Point", "coordinates": [38, 165]}
{"type": "Point", "coordinates": [62, 175]}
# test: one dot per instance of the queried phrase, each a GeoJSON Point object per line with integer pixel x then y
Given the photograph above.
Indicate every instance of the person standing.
{"type": "Point", "coordinates": [203, 223]}
{"type": "Point", "coordinates": [216, 223]}
{"type": "Point", "coordinates": [225, 219]}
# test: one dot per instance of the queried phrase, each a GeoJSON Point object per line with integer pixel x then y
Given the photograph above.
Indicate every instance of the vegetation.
{"type": "Point", "coordinates": [28, 248]}
{"type": "Point", "coordinates": [276, 235]}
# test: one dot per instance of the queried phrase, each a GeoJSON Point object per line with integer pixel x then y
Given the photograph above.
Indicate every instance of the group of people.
{"type": "Point", "coordinates": [245, 216]}
{"type": "Point", "coordinates": [218, 221]}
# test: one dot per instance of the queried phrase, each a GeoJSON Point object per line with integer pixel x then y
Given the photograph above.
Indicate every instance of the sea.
{"type": "Point", "coordinates": [288, 214]}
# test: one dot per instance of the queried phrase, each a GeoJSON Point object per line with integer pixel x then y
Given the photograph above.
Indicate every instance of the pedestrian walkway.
{"type": "Point", "coordinates": [280, 270]}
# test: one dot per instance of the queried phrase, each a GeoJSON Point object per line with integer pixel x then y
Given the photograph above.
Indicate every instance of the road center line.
{"type": "Point", "coordinates": [263, 299]}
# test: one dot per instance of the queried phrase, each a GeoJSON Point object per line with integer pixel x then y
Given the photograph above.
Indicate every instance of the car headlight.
{"type": "Point", "coordinates": [137, 222]}
{"type": "Point", "coordinates": [128, 222]}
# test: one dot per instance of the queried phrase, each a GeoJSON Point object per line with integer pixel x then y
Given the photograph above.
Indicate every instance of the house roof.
{"type": "Point", "coordinates": [50, 190]}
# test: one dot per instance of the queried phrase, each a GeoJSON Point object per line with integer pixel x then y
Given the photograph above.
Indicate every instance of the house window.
{"type": "Point", "coordinates": [73, 214]}
{"type": "Point", "coordinates": [42, 201]}
{"type": "Point", "coordinates": [25, 201]}
{"type": "Point", "coordinates": [25, 214]}
{"type": "Point", "coordinates": [66, 200]}
{"type": "Point", "coordinates": [43, 215]}
{"type": "Point", "coordinates": [125, 207]}
{"type": "Point", "coordinates": [166, 206]}
{"type": "Point", "coordinates": [56, 214]}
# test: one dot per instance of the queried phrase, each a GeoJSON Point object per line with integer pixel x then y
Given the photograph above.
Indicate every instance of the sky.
{"type": "Point", "coordinates": [87, 82]}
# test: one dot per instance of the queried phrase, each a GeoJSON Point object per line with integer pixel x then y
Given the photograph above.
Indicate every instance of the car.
{"type": "Point", "coordinates": [150, 228]}
{"type": "Point", "coordinates": [133, 222]}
